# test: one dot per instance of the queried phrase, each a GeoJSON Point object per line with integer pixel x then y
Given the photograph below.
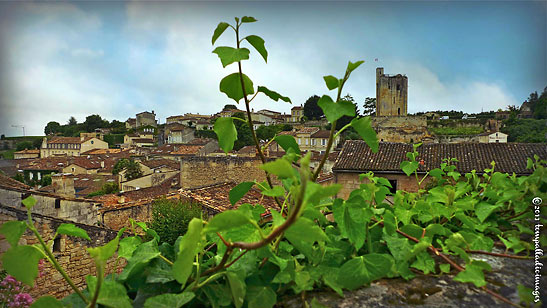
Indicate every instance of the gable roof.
{"type": "Point", "coordinates": [162, 162]}
{"type": "Point", "coordinates": [11, 183]}
{"type": "Point", "coordinates": [356, 156]}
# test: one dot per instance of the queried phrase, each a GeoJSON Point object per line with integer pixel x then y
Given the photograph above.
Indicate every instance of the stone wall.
{"type": "Point", "coordinates": [201, 171]}
{"type": "Point", "coordinates": [150, 180]}
{"type": "Point", "coordinates": [73, 209]}
{"type": "Point", "coordinates": [400, 129]}
{"type": "Point", "coordinates": [350, 181]}
{"type": "Point", "coordinates": [72, 253]}
{"type": "Point", "coordinates": [119, 217]}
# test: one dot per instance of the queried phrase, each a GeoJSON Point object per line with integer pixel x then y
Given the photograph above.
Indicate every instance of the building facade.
{"type": "Point", "coordinates": [391, 94]}
{"type": "Point", "coordinates": [70, 146]}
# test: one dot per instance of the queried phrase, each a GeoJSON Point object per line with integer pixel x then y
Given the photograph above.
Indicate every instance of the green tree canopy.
{"type": "Point", "coordinates": [52, 128]}
{"type": "Point", "coordinates": [131, 167]}
{"type": "Point", "coordinates": [170, 218]}
{"type": "Point", "coordinates": [95, 121]}
{"type": "Point", "coordinates": [311, 110]}
{"type": "Point", "coordinates": [244, 136]}
{"type": "Point", "coordinates": [229, 106]}
{"type": "Point", "coordinates": [25, 145]}
{"type": "Point", "coordinates": [72, 121]}
{"type": "Point", "coordinates": [369, 106]}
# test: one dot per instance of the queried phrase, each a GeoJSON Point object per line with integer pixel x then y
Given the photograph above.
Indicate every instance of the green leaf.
{"type": "Point", "coordinates": [238, 288]}
{"type": "Point", "coordinates": [400, 248]}
{"type": "Point", "coordinates": [390, 225]}
{"type": "Point", "coordinates": [226, 221]}
{"type": "Point", "coordinates": [112, 294]}
{"type": "Point", "coordinates": [331, 82]}
{"type": "Point", "coordinates": [364, 269]}
{"type": "Point", "coordinates": [436, 173]}
{"type": "Point", "coordinates": [218, 31]}
{"type": "Point", "coordinates": [261, 297]}
{"type": "Point", "coordinates": [229, 55]}
{"type": "Point", "coordinates": [143, 254]}
{"type": "Point", "coordinates": [367, 133]}
{"type": "Point", "coordinates": [276, 191]}
{"type": "Point", "coordinates": [409, 167]}
{"type": "Point", "coordinates": [22, 263]}
{"type": "Point", "coordinates": [445, 268]}
{"type": "Point", "coordinates": [352, 66]}
{"type": "Point", "coordinates": [105, 252]}
{"type": "Point", "coordinates": [305, 230]}
{"type": "Point", "coordinates": [424, 262]}
{"type": "Point", "coordinates": [529, 163]}
{"type": "Point", "coordinates": [273, 95]}
{"type": "Point", "coordinates": [472, 273]}
{"type": "Point", "coordinates": [226, 133]}
{"type": "Point", "coordinates": [287, 142]}
{"type": "Point", "coordinates": [29, 202]}
{"type": "Point", "coordinates": [247, 19]}
{"type": "Point", "coordinates": [258, 44]}
{"type": "Point", "coordinates": [239, 191]}
{"type": "Point", "coordinates": [280, 167]}
{"type": "Point", "coordinates": [13, 230]}
{"type": "Point", "coordinates": [231, 86]}
{"type": "Point", "coordinates": [183, 266]}
{"type": "Point", "coordinates": [128, 246]}
{"type": "Point", "coordinates": [47, 302]}
{"type": "Point", "coordinates": [169, 300]}
{"type": "Point", "coordinates": [334, 111]}
{"type": "Point", "coordinates": [70, 229]}
{"type": "Point", "coordinates": [525, 294]}
{"type": "Point", "coordinates": [484, 209]}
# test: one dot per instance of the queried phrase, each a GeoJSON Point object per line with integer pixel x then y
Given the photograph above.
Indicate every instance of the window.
{"type": "Point", "coordinates": [91, 141]}
{"type": "Point", "coordinates": [299, 141]}
{"type": "Point", "coordinates": [398, 87]}
{"type": "Point", "coordinates": [393, 188]}
{"type": "Point", "coordinates": [313, 142]}
{"type": "Point", "coordinates": [57, 203]}
{"type": "Point", "coordinates": [307, 140]}
{"type": "Point", "coordinates": [57, 245]}
{"type": "Point", "coordinates": [323, 141]}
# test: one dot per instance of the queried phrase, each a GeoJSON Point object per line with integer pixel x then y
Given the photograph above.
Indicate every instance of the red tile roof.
{"type": "Point", "coordinates": [356, 156]}
{"type": "Point", "coordinates": [26, 151]}
{"type": "Point", "coordinates": [162, 162]}
{"type": "Point", "coordinates": [307, 130]}
{"type": "Point", "coordinates": [68, 140]}
{"type": "Point", "coordinates": [214, 198]}
{"type": "Point", "coordinates": [321, 134]}
{"type": "Point", "coordinates": [11, 183]}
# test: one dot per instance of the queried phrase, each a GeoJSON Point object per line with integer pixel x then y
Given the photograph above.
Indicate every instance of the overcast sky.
{"type": "Point", "coordinates": [116, 59]}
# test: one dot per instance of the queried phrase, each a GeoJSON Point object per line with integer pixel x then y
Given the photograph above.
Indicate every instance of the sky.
{"type": "Point", "coordinates": [116, 59]}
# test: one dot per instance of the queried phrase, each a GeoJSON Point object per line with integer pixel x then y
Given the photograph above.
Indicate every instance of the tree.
{"type": "Point", "coordinates": [369, 107]}
{"type": "Point", "coordinates": [72, 121]}
{"type": "Point", "coordinates": [46, 180]}
{"type": "Point", "coordinates": [52, 128]}
{"type": "Point", "coordinates": [132, 168]}
{"type": "Point", "coordinates": [343, 121]}
{"type": "Point", "coordinates": [540, 108]}
{"type": "Point", "coordinates": [244, 136]}
{"type": "Point", "coordinates": [2, 137]}
{"type": "Point", "coordinates": [230, 106]}
{"type": "Point", "coordinates": [25, 145]}
{"type": "Point", "coordinates": [170, 218]}
{"type": "Point", "coordinates": [94, 121]}
{"type": "Point", "coordinates": [311, 110]}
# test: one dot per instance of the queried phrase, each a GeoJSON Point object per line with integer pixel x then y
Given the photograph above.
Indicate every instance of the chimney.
{"type": "Point", "coordinates": [102, 163]}
{"type": "Point", "coordinates": [121, 199]}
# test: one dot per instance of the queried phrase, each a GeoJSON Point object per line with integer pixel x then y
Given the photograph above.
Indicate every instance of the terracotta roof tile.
{"type": "Point", "coordinates": [356, 156]}
{"type": "Point", "coordinates": [26, 151]}
{"type": "Point", "coordinates": [162, 162]}
{"type": "Point", "coordinates": [307, 130]}
{"type": "Point", "coordinates": [9, 182]}
{"type": "Point", "coordinates": [321, 134]}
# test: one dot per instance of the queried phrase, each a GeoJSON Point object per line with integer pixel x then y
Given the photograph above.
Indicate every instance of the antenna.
{"type": "Point", "coordinates": [23, 127]}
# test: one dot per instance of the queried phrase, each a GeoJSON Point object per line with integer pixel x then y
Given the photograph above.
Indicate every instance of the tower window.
{"type": "Point", "coordinates": [398, 87]}
{"type": "Point", "coordinates": [398, 111]}
{"type": "Point", "coordinates": [57, 203]}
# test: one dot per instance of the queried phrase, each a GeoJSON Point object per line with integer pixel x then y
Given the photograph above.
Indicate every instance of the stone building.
{"type": "Point", "coordinates": [391, 94]}
{"type": "Point", "coordinates": [357, 158]}
{"type": "Point", "coordinates": [70, 146]}
{"type": "Point", "coordinates": [146, 119]}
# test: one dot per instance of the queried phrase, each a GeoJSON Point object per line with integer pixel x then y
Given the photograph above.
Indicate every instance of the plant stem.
{"type": "Point", "coordinates": [209, 279]}
{"type": "Point", "coordinates": [165, 259]}
{"type": "Point", "coordinates": [100, 276]}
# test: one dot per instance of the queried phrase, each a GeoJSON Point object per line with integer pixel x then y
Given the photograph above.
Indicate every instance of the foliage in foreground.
{"type": "Point", "coordinates": [239, 259]}
{"type": "Point", "coordinates": [170, 218]}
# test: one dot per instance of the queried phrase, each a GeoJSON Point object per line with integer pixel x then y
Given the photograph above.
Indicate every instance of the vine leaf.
{"type": "Point", "coordinates": [280, 167]}
{"type": "Point", "coordinates": [334, 111]}
{"type": "Point", "coordinates": [261, 296]}
{"type": "Point", "coordinates": [238, 288]}
{"type": "Point", "coordinates": [70, 229]}
{"type": "Point", "coordinates": [365, 130]}
{"type": "Point", "coordinates": [231, 86]}
{"type": "Point", "coordinates": [484, 209]}
{"type": "Point", "coordinates": [473, 273]}
{"type": "Point", "coordinates": [229, 55]}
{"type": "Point", "coordinates": [305, 230]}
{"type": "Point", "coordinates": [128, 246]}
{"type": "Point", "coordinates": [239, 191]}
{"type": "Point", "coordinates": [364, 269]}
{"type": "Point", "coordinates": [142, 255]}
{"type": "Point", "coordinates": [248, 19]}
{"type": "Point", "coordinates": [226, 133]}
{"type": "Point", "coordinates": [13, 230]}
{"type": "Point", "coordinates": [409, 167]}
{"type": "Point", "coordinates": [218, 31]}
{"type": "Point", "coordinates": [226, 221]}
{"type": "Point", "coordinates": [273, 95]}
{"type": "Point", "coordinates": [169, 300]}
{"type": "Point", "coordinates": [29, 202]}
{"type": "Point", "coordinates": [331, 82]}
{"type": "Point", "coordinates": [47, 302]}
{"type": "Point", "coordinates": [287, 142]}
{"type": "Point", "coordinates": [112, 294]}
{"type": "Point", "coordinates": [22, 263]}
{"type": "Point", "coordinates": [103, 253]}
{"type": "Point", "coordinates": [258, 43]}
{"type": "Point", "coordinates": [276, 191]}
{"type": "Point", "coordinates": [352, 66]}
{"type": "Point", "coordinates": [182, 267]}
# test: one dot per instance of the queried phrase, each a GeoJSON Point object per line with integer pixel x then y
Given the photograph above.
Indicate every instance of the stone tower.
{"type": "Point", "coordinates": [391, 94]}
